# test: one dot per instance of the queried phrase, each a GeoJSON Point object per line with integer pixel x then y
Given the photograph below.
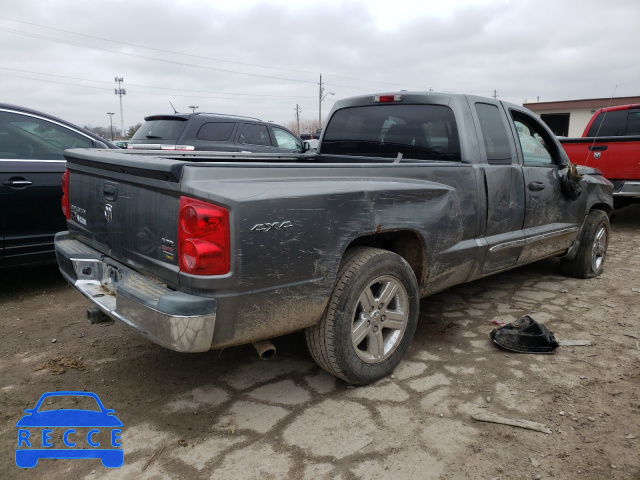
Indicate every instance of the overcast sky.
{"type": "Point", "coordinates": [262, 57]}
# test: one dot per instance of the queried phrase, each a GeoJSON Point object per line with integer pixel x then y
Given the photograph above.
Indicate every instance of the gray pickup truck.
{"type": "Point", "coordinates": [407, 194]}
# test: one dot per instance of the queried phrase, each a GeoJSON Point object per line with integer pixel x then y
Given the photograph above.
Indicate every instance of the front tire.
{"type": "Point", "coordinates": [370, 319]}
{"type": "Point", "coordinates": [589, 261]}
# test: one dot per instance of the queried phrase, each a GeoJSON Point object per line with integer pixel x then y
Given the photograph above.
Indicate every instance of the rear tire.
{"type": "Point", "coordinates": [589, 261]}
{"type": "Point", "coordinates": [370, 319]}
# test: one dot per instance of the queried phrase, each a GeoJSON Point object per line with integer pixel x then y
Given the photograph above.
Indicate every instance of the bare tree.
{"type": "Point", "coordinates": [293, 126]}
{"type": "Point", "coordinates": [103, 132]}
{"type": "Point", "coordinates": [306, 125]}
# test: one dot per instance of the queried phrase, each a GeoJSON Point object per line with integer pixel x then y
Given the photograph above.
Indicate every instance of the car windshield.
{"type": "Point", "coordinates": [67, 402]}
{"type": "Point", "coordinates": [164, 129]}
{"type": "Point", "coordinates": [423, 132]}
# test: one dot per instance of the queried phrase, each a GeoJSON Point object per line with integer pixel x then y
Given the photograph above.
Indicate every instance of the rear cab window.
{"type": "Point", "coordinates": [418, 132]}
{"type": "Point", "coordinates": [616, 123]}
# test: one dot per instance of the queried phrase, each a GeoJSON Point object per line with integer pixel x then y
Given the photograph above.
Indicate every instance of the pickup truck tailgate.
{"type": "Point", "coordinates": [105, 199]}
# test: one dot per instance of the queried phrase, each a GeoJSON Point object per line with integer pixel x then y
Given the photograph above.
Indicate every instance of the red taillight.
{"type": "Point", "coordinates": [387, 98]}
{"type": "Point", "coordinates": [200, 219]}
{"type": "Point", "coordinates": [65, 195]}
{"type": "Point", "coordinates": [203, 238]}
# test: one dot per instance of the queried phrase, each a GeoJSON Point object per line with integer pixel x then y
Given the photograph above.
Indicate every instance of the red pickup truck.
{"type": "Point", "coordinates": [611, 143]}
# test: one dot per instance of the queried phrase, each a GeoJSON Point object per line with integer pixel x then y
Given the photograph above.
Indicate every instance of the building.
{"type": "Point", "coordinates": [569, 118]}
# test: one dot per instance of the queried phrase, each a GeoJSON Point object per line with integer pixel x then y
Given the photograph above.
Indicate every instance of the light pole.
{"type": "Point", "coordinates": [120, 92]}
{"type": "Point", "coordinates": [111, 122]}
{"type": "Point", "coordinates": [321, 97]}
{"type": "Point", "coordinates": [193, 108]}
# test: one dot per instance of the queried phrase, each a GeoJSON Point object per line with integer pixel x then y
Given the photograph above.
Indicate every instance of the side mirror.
{"type": "Point", "coordinates": [306, 146]}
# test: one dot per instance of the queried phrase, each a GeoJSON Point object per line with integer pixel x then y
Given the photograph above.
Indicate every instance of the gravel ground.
{"type": "Point", "coordinates": [225, 414]}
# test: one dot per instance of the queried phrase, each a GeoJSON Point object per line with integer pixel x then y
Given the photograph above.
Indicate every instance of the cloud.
{"type": "Point", "coordinates": [262, 58]}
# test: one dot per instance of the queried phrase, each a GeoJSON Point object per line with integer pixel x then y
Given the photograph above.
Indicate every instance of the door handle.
{"type": "Point", "coordinates": [598, 148]}
{"type": "Point", "coordinates": [17, 183]}
{"type": "Point", "coordinates": [536, 186]}
{"type": "Point", "coordinates": [110, 193]}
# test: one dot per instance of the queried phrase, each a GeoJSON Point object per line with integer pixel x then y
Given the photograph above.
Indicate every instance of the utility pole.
{"type": "Point", "coordinates": [321, 97]}
{"type": "Point", "coordinates": [320, 103]}
{"type": "Point", "coordinates": [495, 94]}
{"type": "Point", "coordinates": [120, 92]}
{"type": "Point", "coordinates": [298, 110]}
{"type": "Point", "coordinates": [111, 122]}
{"type": "Point", "coordinates": [193, 108]}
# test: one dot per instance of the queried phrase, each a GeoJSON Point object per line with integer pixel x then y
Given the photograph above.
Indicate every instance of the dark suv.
{"type": "Point", "coordinates": [209, 131]}
{"type": "Point", "coordinates": [31, 168]}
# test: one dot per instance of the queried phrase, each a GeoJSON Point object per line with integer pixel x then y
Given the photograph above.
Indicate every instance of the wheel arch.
{"type": "Point", "coordinates": [408, 244]}
{"type": "Point", "coordinates": [604, 207]}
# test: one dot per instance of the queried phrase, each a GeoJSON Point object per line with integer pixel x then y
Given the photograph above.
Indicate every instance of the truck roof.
{"type": "Point", "coordinates": [619, 107]}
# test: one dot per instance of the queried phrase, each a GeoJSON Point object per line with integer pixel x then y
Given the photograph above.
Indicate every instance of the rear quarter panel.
{"type": "Point", "coordinates": [281, 278]}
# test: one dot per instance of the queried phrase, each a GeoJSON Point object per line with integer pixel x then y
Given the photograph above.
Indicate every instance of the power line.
{"type": "Point", "coordinates": [156, 49]}
{"type": "Point", "coordinates": [221, 96]}
{"type": "Point", "coordinates": [148, 86]}
{"type": "Point", "coordinates": [163, 60]}
{"type": "Point", "coordinates": [184, 54]}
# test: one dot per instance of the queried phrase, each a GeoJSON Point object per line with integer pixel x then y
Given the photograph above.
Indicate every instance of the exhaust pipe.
{"type": "Point", "coordinates": [266, 350]}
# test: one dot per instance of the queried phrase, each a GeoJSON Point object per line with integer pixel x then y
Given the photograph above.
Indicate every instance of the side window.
{"type": "Point", "coordinates": [251, 134]}
{"type": "Point", "coordinates": [215, 131]}
{"type": "Point", "coordinates": [496, 139]}
{"type": "Point", "coordinates": [633, 122]}
{"type": "Point", "coordinates": [26, 137]}
{"type": "Point", "coordinates": [609, 124]}
{"type": "Point", "coordinates": [538, 148]}
{"type": "Point", "coordinates": [285, 140]}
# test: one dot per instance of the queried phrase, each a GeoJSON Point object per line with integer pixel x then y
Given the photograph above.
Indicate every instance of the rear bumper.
{"type": "Point", "coordinates": [175, 320]}
{"type": "Point", "coordinates": [625, 188]}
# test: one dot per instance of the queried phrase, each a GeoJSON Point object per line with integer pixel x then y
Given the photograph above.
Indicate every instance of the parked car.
{"type": "Point", "coordinates": [31, 168]}
{"type": "Point", "coordinates": [312, 136]}
{"type": "Point", "coordinates": [213, 132]}
{"type": "Point", "coordinates": [313, 143]}
{"type": "Point", "coordinates": [121, 143]}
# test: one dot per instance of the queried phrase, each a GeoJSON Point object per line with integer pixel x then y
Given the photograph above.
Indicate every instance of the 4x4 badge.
{"type": "Point", "coordinates": [267, 227]}
{"type": "Point", "coordinates": [108, 212]}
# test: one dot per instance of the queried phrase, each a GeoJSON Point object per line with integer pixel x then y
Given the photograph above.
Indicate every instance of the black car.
{"type": "Point", "coordinates": [213, 132]}
{"type": "Point", "coordinates": [31, 168]}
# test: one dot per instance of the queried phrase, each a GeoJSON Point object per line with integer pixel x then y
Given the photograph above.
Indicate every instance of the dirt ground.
{"type": "Point", "coordinates": [225, 414]}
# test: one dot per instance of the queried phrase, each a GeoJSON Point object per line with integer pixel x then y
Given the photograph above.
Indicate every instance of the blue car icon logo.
{"type": "Point", "coordinates": [47, 431]}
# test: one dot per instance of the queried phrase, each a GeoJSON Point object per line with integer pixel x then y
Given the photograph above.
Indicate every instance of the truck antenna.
{"type": "Point", "coordinates": [174, 108]}
{"type": "Point", "coordinates": [600, 126]}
